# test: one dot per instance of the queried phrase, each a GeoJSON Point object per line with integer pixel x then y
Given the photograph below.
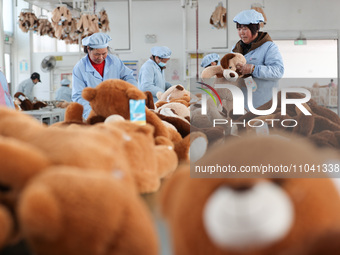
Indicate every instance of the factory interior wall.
{"type": "Point", "coordinates": [175, 26]}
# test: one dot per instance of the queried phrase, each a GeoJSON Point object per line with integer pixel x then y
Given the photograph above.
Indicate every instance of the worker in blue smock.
{"type": "Point", "coordinates": [64, 93]}
{"type": "Point", "coordinates": [26, 86]}
{"type": "Point", "coordinates": [210, 60]}
{"type": "Point", "coordinates": [5, 96]}
{"type": "Point", "coordinates": [264, 61]}
{"type": "Point", "coordinates": [97, 66]}
{"type": "Point", "coordinates": [151, 74]}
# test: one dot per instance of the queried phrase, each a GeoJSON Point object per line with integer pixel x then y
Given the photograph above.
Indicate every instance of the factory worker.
{"type": "Point", "coordinates": [210, 60]}
{"type": "Point", "coordinates": [5, 96]}
{"type": "Point", "coordinates": [151, 74]}
{"type": "Point", "coordinates": [264, 60]}
{"type": "Point", "coordinates": [97, 66]}
{"type": "Point", "coordinates": [64, 93]}
{"type": "Point", "coordinates": [26, 86]}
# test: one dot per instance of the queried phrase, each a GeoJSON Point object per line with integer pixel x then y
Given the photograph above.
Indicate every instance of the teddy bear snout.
{"type": "Point", "coordinates": [252, 208]}
{"type": "Point", "coordinates": [232, 75]}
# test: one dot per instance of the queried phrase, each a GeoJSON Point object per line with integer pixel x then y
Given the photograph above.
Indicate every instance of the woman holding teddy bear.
{"type": "Point", "coordinates": [264, 60]}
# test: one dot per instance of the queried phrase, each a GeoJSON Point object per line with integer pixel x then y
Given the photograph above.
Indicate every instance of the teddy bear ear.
{"type": "Point", "coordinates": [149, 100]}
{"type": "Point", "coordinates": [134, 93]}
{"type": "Point", "coordinates": [89, 94]}
{"type": "Point", "coordinates": [225, 60]}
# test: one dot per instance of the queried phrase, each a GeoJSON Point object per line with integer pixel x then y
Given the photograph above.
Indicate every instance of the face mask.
{"type": "Point", "coordinates": [161, 64]}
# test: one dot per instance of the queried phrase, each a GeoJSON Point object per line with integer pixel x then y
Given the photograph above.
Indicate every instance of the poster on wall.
{"type": "Point", "coordinates": [132, 64]}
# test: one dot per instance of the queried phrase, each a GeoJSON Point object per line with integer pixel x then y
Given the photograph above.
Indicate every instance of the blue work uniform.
{"type": "Point", "coordinates": [64, 93]}
{"type": "Point", "coordinates": [151, 78]}
{"type": "Point", "coordinates": [26, 87]}
{"type": "Point", "coordinates": [85, 75]}
{"type": "Point", "coordinates": [5, 96]}
{"type": "Point", "coordinates": [268, 70]}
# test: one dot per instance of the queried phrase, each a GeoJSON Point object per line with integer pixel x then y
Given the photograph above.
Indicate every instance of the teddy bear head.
{"type": "Point", "coordinates": [250, 213]}
{"type": "Point", "coordinates": [227, 69]}
{"type": "Point", "coordinates": [61, 209]}
{"type": "Point", "coordinates": [174, 92]}
{"type": "Point", "coordinates": [20, 162]}
{"type": "Point", "coordinates": [112, 97]}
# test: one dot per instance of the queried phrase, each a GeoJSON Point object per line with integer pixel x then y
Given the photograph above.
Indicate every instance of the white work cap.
{"type": "Point", "coordinates": [161, 51]}
{"type": "Point", "coordinates": [97, 41]}
{"type": "Point", "coordinates": [65, 82]}
{"type": "Point", "coordinates": [209, 58]}
{"type": "Point", "coordinates": [248, 17]}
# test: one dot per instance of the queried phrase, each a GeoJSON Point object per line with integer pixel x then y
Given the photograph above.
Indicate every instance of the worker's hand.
{"type": "Point", "coordinates": [245, 69]}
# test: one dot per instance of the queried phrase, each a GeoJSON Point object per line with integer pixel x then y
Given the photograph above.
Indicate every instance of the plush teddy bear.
{"type": "Point", "coordinates": [318, 126]}
{"type": "Point", "coordinates": [176, 93]}
{"type": "Point", "coordinates": [112, 97]}
{"type": "Point", "coordinates": [126, 147]}
{"type": "Point", "coordinates": [75, 146]}
{"type": "Point", "coordinates": [24, 104]}
{"type": "Point", "coordinates": [68, 211]}
{"type": "Point", "coordinates": [150, 159]}
{"type": "Point", "coordinates": [251, 212]}
{"type": "Point", "coordinates": [226, 73]}
{"type": "Point", "coordinates": [19, 163]}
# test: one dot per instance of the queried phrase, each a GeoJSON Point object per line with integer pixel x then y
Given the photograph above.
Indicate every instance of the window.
{"type": "Point", "coordinates": [7, 15]}
{"type": "Point", "coordinates": [312, 64]}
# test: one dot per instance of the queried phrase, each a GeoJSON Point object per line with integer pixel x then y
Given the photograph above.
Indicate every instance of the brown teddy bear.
{"type": "Point", "coordinates": [126, 147]}
{"type": "Point", "coordinates": [112, 97]}
{"type": "Point", "coordinates": [24, 104]}
{"type": "Point", "coordinates": [249, 212]}
{"type": "Point", "coordinates": [19, 163]}
{"type": "Point", "coordinates": [68, 211]}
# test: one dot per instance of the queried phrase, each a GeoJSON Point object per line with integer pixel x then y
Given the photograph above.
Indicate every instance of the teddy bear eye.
{"type": "Point", "coordinates": [230, 67]}
{"type": "Point", "coordinates": [278, 181]}
{"type": "Point", "coordinates": [4, 188]}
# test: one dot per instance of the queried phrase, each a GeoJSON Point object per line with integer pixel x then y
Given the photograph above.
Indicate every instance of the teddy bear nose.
{"type": "Point", "coordinates": [232, 75]}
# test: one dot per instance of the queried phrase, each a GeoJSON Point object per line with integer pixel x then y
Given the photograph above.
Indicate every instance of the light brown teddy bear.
{"type": "Point", "coordinates": [226, 73]}
{"type": "Point", "coordinates": [251, 212]}
{"type": "Point", "coordinates": [68, 211]}
{"type": "Point", "coordinates": [176, 93]}
{"type": "Point", "coordinates": [150, 159]}
{"type": "Point", "coordinates": [75, 147]}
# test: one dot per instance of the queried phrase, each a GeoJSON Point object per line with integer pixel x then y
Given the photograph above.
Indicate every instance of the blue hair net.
{"type": "Point", "coordinates": [97, 41]}
{"type": "Point", "coordinates": [248, 17]}
{"type": "Point", "coordinates": [161, 51]}
{"type": "Point", "coordinates": [65, 82]}
{"type": "Point", "coordinates": [209, 58]}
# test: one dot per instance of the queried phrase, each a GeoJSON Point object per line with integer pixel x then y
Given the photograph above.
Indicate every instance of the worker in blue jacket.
{"type": "Point", "coordinates": [264, 60]}
{"type": "Point", "coordinates": [5, 96]}
{"type": "Point", "coordinates": [97, 66]}
{"type": "Point", "coordinates": [151, 74]}
{"type": "Point", "coordinates": [64, 92]}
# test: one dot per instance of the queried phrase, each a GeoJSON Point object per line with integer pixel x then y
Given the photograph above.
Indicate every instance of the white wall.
{"type": "Point", "coordinates": [165, 20]}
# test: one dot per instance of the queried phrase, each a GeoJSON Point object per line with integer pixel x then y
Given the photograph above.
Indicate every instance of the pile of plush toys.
{"type": "Point", "coordinates": [79, 187]}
